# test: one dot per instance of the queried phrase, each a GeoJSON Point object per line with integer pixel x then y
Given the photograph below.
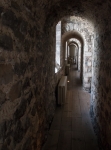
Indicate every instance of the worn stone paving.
{"type": "Point", "coordinates": [71, 128]}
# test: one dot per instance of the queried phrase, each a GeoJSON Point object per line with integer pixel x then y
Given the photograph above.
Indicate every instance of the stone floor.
{"type": "Point", "coordinates": [71, 128]}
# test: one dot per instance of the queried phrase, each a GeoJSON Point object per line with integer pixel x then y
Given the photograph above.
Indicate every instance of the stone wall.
{"type": "Point", "coordinates": [100, 109]}
{"type": "Point", "coordinates": [27, 77]}
{"type": "Point", "coordinates": [27, 85]}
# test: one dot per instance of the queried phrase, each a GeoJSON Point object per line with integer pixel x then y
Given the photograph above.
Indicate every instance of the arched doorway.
{"type": "Point", "coordinates": [74, 34]}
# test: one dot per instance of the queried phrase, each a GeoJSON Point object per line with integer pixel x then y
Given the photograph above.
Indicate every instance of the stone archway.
{"type": "Point", "coordinates": [78, 51]}
{"type": "Point", "coordinates": [73, 42]}
{"type": "Point", "coordinates": [74, 34]}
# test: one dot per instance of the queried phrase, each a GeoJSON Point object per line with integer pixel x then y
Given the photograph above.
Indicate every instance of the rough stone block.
{"type": "Point", "coordinates": [19, 35]}
{"type": "Point", "coordinates": [89, 63]}
{"type": "Point", "coordinates": [1, 10]}
{"type": "Point", "coordinates": [2, 59]}
{"type": "Point", "coordinates": [15, 6]}
{"type": "Point", "coordinates": [23, 27]}
{"type": "Point", "coordinates": [20, 69]}
{"type": "Point", "coordinates": [31, 61]}
{"type": "Point", "coordinates": [15, 91]}
{"type": "Point", "coordinates": [2, 97]}
{"type": "Point", "coordinates": [18, 25]}
{"type": "Point", "coordinates": [9, 19]}
{"type": "Point", "coordinates": [86, 80]}
{"type": "Point", "coordinates": [2, 129]}
{"type": "Point", "coordinates": [19, 132]}
{"type": "Point", "coordinates": [31, 31]}
{"type": "Point", "coordinates": [34, 110]}
{"type": "Point", "coordinates": [27, 123]}
{"type": "Point", "coordinates": [89, 74]}
{"type": "Point", "coordinates": [4, 147]}
{"type": "Point", "coordinates": [29, 97]}
{"type": "Point", "coordinates": [6, 73]}
{"type": "Point", "coordinates": [27, 46]}
{"type": "Point", "coordinates": [26, 83]}
{"type": "Point", "coordinates": [88, 53]}
{"type": "Point", "coordinates": [20, 110]}
{"type": "Point", "coordinates": [27, 144]}
{"type": "Point", "coordinates": [6, 42]}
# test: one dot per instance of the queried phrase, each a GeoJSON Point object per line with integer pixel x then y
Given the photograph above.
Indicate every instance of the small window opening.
{"type": "Point", "coordinates": [58, 46]}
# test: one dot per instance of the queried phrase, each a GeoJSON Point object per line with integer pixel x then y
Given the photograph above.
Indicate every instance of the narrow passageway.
{"type": "Point", "coordinates": [71, 128]}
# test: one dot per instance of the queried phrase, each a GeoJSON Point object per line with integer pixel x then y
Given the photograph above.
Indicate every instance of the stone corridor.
{"type": "Point", "coordinates": [71, 128]}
